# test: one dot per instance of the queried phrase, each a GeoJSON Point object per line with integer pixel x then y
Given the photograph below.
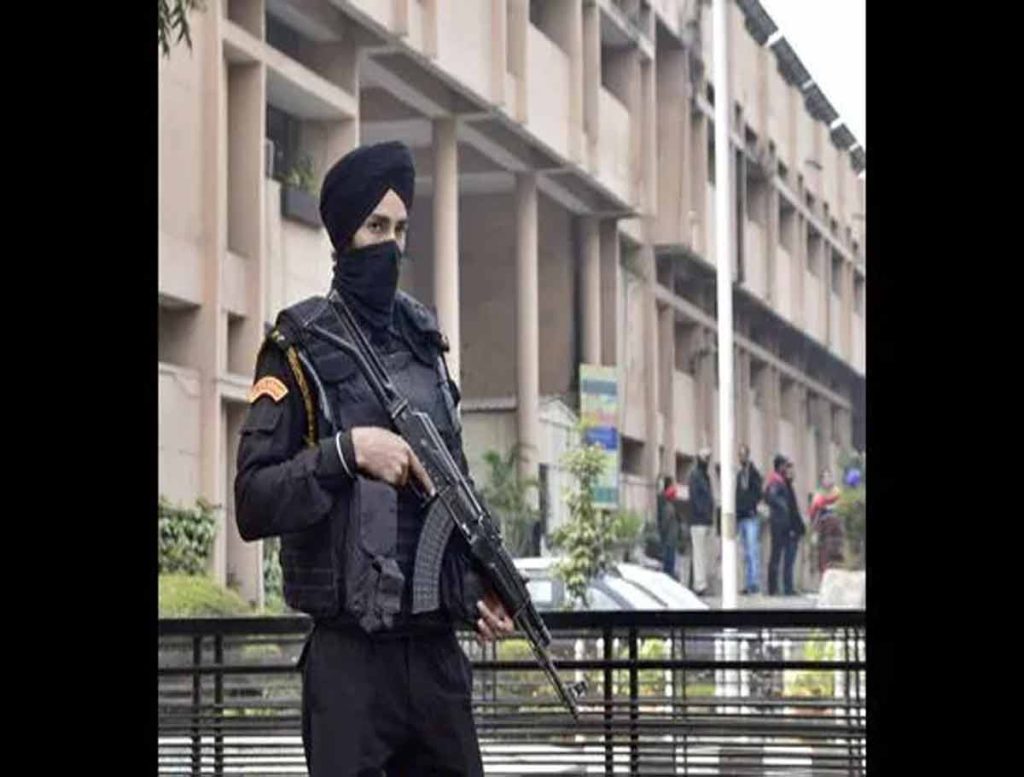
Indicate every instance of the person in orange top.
{"type": "Point", "coordinates": [827, 522]}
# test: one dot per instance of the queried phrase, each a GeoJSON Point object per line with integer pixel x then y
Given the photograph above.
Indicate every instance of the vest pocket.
{"type": "Point", "coordinates": [373, 579]}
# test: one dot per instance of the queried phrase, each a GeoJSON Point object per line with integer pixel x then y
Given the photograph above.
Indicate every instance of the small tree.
{"type": "Point", "coordinates": [172, 15]}
{"type": "Point", "coordinates": [852, 508]}
{"type": "Point", "coordinates": [507, 495]}
{"type": "Point", "coordinates": [627, 527]}
{"type": "Point", "coordinates": [587, 537]}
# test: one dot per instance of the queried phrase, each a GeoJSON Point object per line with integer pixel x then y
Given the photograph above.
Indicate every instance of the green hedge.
{"type": "Point", "coordinates": [185, 536]}
{"type": "Point", "coordinates": [187, 596]}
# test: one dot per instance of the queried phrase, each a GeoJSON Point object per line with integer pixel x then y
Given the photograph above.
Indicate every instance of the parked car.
{"type": "Point", "coordinates": [674, 594]}
{"type": "Point", "coordinates": [624, 587]}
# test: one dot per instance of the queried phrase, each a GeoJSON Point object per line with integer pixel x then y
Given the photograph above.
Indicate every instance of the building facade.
{"type": "Point", "coordinates": [564, 212]}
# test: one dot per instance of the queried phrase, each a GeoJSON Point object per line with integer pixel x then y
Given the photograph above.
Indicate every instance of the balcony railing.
{"type": "Point", "coordinates": [715, 692]}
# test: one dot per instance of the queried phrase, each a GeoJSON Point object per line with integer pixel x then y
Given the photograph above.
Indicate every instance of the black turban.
{"type": "Point", "coordinates": [355, 184]}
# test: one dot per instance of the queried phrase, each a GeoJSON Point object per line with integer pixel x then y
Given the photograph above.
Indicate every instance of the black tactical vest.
{"type": "Point", "coordinates": [357, 565]}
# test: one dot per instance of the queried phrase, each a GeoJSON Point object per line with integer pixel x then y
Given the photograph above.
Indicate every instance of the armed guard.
{"type": "Point", "coordinates": [382, 688]}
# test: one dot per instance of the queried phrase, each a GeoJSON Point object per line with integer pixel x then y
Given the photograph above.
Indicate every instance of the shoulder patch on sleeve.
{"type": "Point", "coordinates": [268, 386]}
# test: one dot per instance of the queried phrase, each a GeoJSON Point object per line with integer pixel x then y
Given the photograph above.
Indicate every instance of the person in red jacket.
{"type": "Point", "coordinates": [827, 522]}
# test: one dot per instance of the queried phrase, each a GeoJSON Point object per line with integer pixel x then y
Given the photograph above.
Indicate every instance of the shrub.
{"type": "Point", "coordinates": [189, 596]}
{"type": "Point", "coordinates": [185, 536]}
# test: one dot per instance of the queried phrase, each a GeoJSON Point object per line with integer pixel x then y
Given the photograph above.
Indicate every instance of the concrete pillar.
{"type": "Point", "coordinates": [611, 294]}
{"type": "Point", "coordinates": [673, 116]}
{"type": "Point", "coordinates": [518, 21]}
{"type": "Point", "coordinates": [704, 394]}
{"type": "Point", "coordinates": [651, 457]}
{"type": "Point", "coordinates": [744, 399]}
{"type": "Point", "coordinates": [446, 237]}
{"type": "Point", "coordinates": [773, 241]}
{"type": "Point", "coordinates": [527, 345]}
{"type": "Point", "coordinates": [824, 411]}
{"type": "Point", "coordinates": [246, 192]}
{"type": "Point", "coordinates": [238, 562]}
{"type": "Point", "coordinates": [211, 331]}
{"type": "Point", "coordinates": [430, 10]}
{"type": "Point", "coordinates": [648, 153]}
{"type": "Point", "coordinates": [739, 212]}
{"type": "Point", "coordinates": [591, 81]}
{"type": "Point", "coordinates": [576, 87]}
{"type": "Point", "coordinates": [774, 404]}
{"type": "Point", "coordinates": [845, 430]}
{"type": "Point", "coordinates": [666, 371]}
{"type": "Point", "coordinates": [800, 315]}
{"type": "Point", "coordinates": [625, 80]}
{"type": "Point", "coordinates": [686, 157]}
{"type": "Point", "coordinates": [244, 559]}
{"type": "Point", "coordinates": [846, 313]}
{"type": "Point", "coordinates": [698, 216]}
{"type": "Point", "coordinates": [772, 388]}
{"type": "Point", "coordinates": [590, 288]}
{"type": "Point", "coordinates": [499, 50]}
{"type": "Point", "coordinates": [803, 420]}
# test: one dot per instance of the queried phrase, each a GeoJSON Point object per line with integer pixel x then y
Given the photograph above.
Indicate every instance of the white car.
{"type": "Point", "coordinates": [609, 591]}
{"type": "Point", "coordinates": [624, 587]}
{"type": "Point", "coordinates": [674, 594]}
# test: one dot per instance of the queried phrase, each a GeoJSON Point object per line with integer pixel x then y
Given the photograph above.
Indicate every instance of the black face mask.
{"type": "Point", "coordinates": [367, 279]}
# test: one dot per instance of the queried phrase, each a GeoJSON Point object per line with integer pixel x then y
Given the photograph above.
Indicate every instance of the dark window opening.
{"type": "Point", "coordinates": [283, 38]}
{"type": "Point", "coordinates": [283, 131]}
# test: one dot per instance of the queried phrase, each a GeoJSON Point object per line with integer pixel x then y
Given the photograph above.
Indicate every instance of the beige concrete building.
{"type": "Point", "coordinates": [564, 203]}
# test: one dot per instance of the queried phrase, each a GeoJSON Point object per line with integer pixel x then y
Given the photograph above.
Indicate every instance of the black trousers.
{"type": "Point", "coordinates": [389, 705]}
{"type": "Point", "coordinates": [784, 549]}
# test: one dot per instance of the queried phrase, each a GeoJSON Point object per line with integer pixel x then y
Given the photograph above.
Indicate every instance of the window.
{"type": "Point", "coordinates": [756, 370]}
{"type": "Point", "coordinates": [787, 225]}
{"type": "Point", "coordinates": [813, 247]}
{"type": "Point", "coordinates": [757, 200]}
{"type": "Point", "coordinates": [837, 274]}
{"type": "Point", "coordinates": [283, 38]}
{"type": "Point", "coordinates": [632, 456]}
{"type": "Point", "coordinates": [711, 156]}
{"type": "Point", "coordinates": [282, 129]}
{"type": "Point", "coordinates": [786, 387]}
{"type": "Point", "coordinates": [858, 296]}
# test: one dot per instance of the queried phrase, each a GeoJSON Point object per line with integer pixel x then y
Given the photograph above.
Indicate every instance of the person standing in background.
{"type": "Point", "coordinates": [827, 523]}
{"type": "Point", "coordinates": [748, 495]}
{"type": "Point", "coordinates": [668, 525]}
{"type": "Point", "coordinates": [786, 525]}
{"type": "Point", "coordinates": [702, 508]}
